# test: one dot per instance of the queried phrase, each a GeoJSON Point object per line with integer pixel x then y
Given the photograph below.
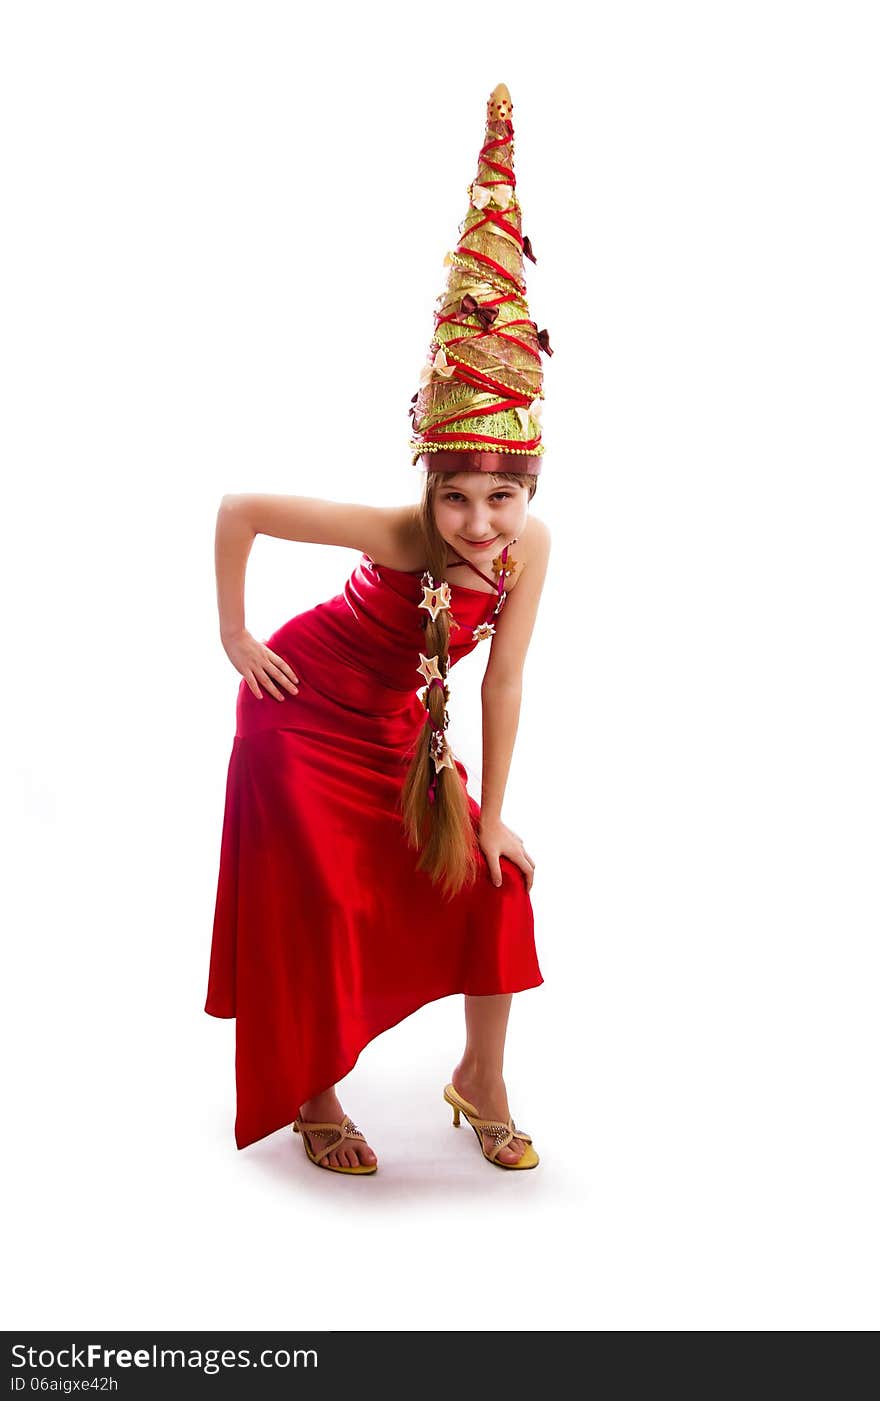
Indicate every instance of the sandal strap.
{"type": "Point", "coordinates": [503, 1134]}
{"type": "Point", "coordinates": [347, 1129]}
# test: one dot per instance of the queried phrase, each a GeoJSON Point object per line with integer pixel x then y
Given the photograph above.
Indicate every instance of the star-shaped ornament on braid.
{"type": "Point", "coordinates": [435, 599]}
{"type": "Point", "coordinates": [441, 752]}
{"type": "Point", "coordinates": [428, 667]}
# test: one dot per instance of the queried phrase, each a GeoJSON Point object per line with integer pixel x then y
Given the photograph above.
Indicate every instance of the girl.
{"type": "Point", "coordinates": [359, 879]}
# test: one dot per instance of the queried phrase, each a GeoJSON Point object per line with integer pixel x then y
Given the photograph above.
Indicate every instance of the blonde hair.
{"type": "Point", "coordinates": [442, 831]}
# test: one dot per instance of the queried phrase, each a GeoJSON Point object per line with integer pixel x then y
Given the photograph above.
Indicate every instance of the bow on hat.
{"type": "Point", "coordinates": [438, 366]}
{"type": "Point", "coordinates": [484, 314]}
{"type": "Point", "coordinates": [533, 411]}
{"type": "Point", "coordinates": [481, 195]}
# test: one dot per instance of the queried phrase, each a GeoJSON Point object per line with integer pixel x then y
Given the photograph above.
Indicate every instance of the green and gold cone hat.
{"type": "Point", "coordinates": [479, 405]}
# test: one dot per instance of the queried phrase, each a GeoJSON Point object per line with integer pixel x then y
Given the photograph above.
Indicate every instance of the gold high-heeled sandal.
{"type": "Point", "coordinates": [347, 1129]}
{"type": "Point", "coordinates": [501, 1133]}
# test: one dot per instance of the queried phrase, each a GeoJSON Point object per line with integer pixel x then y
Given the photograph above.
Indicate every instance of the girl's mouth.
{"type": "Point", "coordinates": [479, 544]}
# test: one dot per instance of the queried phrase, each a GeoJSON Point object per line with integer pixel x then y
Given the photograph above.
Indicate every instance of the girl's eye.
{"type": "Point", "coordinates": [497, 495]}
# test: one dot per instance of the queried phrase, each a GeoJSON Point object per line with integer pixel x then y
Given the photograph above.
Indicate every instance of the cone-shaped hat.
{"type": "Point", "coordinates": [479, 405]}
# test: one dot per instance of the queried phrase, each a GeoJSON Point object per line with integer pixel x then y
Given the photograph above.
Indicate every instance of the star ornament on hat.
{"type": "Point", "coordinates": [480, 396]}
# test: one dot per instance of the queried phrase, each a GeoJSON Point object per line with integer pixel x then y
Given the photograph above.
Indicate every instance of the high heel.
{"type": "Point", "coordinates": [347, 1129]}
{"type": "Point", "coordinates": [503, 1134]}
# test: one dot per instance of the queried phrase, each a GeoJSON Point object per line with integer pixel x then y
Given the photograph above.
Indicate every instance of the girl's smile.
{"type": "Point", "coordinates": [476, 516]}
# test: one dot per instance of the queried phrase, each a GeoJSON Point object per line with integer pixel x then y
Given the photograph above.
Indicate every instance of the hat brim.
{"type": "Point", "coordinates": [460, 461]}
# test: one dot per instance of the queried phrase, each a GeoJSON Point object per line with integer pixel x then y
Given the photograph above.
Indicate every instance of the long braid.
{"type": "Point", "coordinates": [434, 802]}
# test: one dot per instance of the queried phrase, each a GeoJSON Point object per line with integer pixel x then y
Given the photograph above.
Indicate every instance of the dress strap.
{"type": "Point", "coordinates": [485, 577]}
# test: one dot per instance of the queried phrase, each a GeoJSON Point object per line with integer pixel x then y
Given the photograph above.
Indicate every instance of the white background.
{"type": "Point", "coordinates": [223, 234]}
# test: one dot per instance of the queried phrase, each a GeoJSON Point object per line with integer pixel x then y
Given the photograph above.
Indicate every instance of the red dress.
{"type": "Point", "coordinates": [325, 934]}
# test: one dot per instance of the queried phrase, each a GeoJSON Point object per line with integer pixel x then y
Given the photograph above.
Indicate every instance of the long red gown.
{"type": "Point", "coordinates": [325, 934]}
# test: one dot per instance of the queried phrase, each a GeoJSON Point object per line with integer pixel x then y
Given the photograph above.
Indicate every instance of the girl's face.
{"type": "Point", "coordinates": [471, 508]}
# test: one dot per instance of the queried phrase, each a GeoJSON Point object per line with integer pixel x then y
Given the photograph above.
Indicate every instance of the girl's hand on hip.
{"type": "Point", "coordinates": [497, 840]}
{"type": "Point", "coordinates": [259, 665]}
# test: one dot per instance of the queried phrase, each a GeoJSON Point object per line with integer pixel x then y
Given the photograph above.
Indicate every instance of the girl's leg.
{"type": "Point", "coordinates": [478, 1074]}
{"type": "Point", "coordinates": [325, 1108]}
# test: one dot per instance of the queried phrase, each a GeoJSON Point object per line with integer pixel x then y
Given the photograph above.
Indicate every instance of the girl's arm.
{"type": "Point", "coordinates": [501, 708]}
{"type": "Point", "coordinates": [233, 538]}
{"type": "Point", "coordinates": [314, 521]}
{"type": "Point", "coordinates": [375, 530]}
{"type": "Point", "coordinates": [501, 697]}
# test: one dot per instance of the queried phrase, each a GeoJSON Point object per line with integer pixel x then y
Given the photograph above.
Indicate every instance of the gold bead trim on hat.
{"type": "Point", "coordinates": [462, 409]}
{"type": "Point", "coordinates": [511, 353]}
{"type": "Point", "coordinates": [487, 275]}
{"type": "Point", "coordinates": [457, 258]}
{"type": "Point", "coordinates": [521, 360]}
{"type": "Point", "coordinates": [471, 446]}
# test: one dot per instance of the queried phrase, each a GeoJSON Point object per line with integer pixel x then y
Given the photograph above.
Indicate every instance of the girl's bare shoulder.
{"type": "Point", "coordinates": [532, 546]}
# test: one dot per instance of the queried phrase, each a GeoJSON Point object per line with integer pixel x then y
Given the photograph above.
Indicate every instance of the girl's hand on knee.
{"type": "Point", "coordinates": [497, 840]}
{"type": "Point", "coordinates": [259, 665]}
